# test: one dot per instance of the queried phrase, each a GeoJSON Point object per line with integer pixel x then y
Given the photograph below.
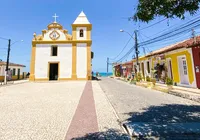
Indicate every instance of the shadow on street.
{"type": "Point", "coordinates": [166, 120]}
{"type": "Point", "coordinates": [110, 134]}
{"type": "Point", "coordinates": [96, 78]}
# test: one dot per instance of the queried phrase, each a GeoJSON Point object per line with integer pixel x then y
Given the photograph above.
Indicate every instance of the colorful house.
{"type": "Point", "coordinates": [117, 70]}
{"type": "Point", "coordinates": [16, 71]}
{"type": "Point", "coordinates": [180, 62]}
{"type": "Point", "coordinates": [127, 69]}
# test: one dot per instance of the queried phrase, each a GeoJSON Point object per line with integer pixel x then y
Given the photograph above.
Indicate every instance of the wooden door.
{"type": "Point", "coordinates": [183, 72]}
{"type": "Point", "coordinates": [143, 69]}
{"type": "Point", "coordinates": [196, 59]}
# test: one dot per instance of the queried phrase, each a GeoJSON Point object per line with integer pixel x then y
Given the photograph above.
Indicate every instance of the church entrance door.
{"type": "Point", "coordinates": [53, 71]}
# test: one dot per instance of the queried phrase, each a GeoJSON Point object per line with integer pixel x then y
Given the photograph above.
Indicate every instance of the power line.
{"type": "Point", "coordinates": [126, 55]}
{"type": "Point", "coordinates": [170, 41]}
{"type": "Point", "coordinates": [196, 17]}
{"type": "Point", "coordinates": [123, 48]}
{"type": "Point", "coordinates": [152, 24]}
{"type": "Point", "coordinates": [3, 38]}
{"type": "Point", "coordinates": [168, 35]}
{"type": "Point", "coordinates": [171, 33]}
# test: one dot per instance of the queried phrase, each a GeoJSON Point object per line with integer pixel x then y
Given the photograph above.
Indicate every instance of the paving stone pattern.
{"type": "Point", "coordinates": [52, 110]}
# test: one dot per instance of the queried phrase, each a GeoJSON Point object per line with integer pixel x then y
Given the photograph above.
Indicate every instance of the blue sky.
{"type": "Point", "coordinates": [21, 18]}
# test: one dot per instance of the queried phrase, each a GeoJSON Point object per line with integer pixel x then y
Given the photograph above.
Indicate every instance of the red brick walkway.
{"type": "Point", "coordinates": [85, 118]}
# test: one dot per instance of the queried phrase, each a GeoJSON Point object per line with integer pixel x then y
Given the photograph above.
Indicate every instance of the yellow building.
{"type": "Point", "coordinates": [57, 55]}
{"type": "Point", "coordinates": [177, 60]}
{"type": "Point", "coordinates": [15, 69]}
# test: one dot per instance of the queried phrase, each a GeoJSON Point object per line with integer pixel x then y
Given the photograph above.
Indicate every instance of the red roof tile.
{"type": "Point", "coordinates": [11, 64]}
{"type": "Point", "coordinates": [183, 44]}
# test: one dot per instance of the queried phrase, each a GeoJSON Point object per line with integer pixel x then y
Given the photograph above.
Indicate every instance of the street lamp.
{"type": "Point", "coordinates": [17, 42]}
{"type": "Point", "coordinates": [136, 44]}
{"type": "Point", "coordinates": [8, 56]}
{"type": "Point", "coordinates": [127, 33]}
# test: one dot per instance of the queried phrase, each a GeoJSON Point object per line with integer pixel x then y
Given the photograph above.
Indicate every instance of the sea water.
{"type": "Point", "coordinates": [105, 74]}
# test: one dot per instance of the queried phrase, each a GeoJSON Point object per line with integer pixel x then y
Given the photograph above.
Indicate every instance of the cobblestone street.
{"type": "Point", "coordinates": [127, 98]}
{"type": "Point", "coordinates": [135, 104]}
{"type": "Point", "coordinates": [46, 111]}
{"type": "Point", "coordinates": [67, 110]}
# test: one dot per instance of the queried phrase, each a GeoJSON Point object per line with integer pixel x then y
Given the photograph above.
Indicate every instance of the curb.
{"type": "Point", "coordinates": [115, 112]}
{"type": "Point", "coordinates": [186, 96]}
{"type": "Point", "coordinates": [178, 94]}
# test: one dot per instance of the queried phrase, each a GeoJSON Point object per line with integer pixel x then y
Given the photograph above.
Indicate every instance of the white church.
{"type": "Point", "coordinates": [57, 55]}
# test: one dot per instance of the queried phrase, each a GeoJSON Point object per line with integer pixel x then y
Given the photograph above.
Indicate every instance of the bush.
{"type": "Point", "coordinates": [118, 74]}
{"type": "Point", "coordinates": [169, 81]}
{"type": "Point", "coordinates": [153, 80]}
{"type": "Point", "coordinates": [148, 79]}
{"type": "Point", "coordinates": [133, 82]}
{"type": "Point", "coordinates": [139, 77]}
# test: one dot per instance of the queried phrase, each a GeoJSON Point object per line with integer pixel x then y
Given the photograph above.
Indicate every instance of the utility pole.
{"type": "Point", "coordinates": [144, 51]}
{"type": "Point", "coordinates": [107, 65]}
{"type": "Point", "coordinates": [7, 63]}
{"type": "Point", "coordinates": [193, 35]}
{"type": "Point", "coordinates": [136, 49]}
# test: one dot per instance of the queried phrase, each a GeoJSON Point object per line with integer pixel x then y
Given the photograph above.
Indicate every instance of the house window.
{"type": "Point", "coordinates": [148, 67]}
{"type": "Point", "coordinates": [14, 70]}
{"type": "Point", "coordinates": [81, 33]}
{"type": "Point", "coordinates": [54, 50]}
{"type": "Point", "coordinates": [184, 67]}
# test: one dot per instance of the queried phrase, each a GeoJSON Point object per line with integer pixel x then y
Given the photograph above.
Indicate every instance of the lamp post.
{"type": "Point", "coordinates": [136, 44]}
{"type": "Point", "coordinates": [8, 57]}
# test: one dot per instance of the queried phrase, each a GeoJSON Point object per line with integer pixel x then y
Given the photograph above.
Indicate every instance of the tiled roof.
{"type": "Point", "coordinates": [183, 44]}
{"type": "Point", "coordinates": [128, 63]}
{"type": "Point", "coordinates": [11, 64]}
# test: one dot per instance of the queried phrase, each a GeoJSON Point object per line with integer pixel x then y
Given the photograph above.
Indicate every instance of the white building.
{"type": "Point", "coordinates": [17, 70]}
{"type": "Point", "coordinates": [57, 55]}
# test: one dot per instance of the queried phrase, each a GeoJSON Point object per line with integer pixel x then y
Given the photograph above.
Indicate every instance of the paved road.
{"type": "Point", "coordinates": [138, 104]}
{"type": "Point", "coordinates": [55, 111]}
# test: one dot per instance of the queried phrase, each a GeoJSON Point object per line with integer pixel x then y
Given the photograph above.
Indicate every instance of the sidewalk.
{"type": "Point", "coordinates": [184, 92]}
{"type": "Point", "coordinates": [60, 111]}
{"type": "Point", "coordinates": [14, 82]}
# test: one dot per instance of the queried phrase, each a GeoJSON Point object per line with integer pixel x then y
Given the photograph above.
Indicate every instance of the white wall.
{"type": "Point", "coordinates": [194, 84]}
{"type": "Point", "coordinates": [47, 38]}
{"type": "Point", "coordinates": [2, 70]}
{"type": "Point", "coordinates": [81, 60]}
{"type": "Point", "coordinates": [43, 56]}
{"type": "Point", "coordinates": [78, 33]}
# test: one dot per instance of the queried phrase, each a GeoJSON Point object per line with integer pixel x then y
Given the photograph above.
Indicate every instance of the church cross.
{"type": "Point", "coordinates": [55, 16]}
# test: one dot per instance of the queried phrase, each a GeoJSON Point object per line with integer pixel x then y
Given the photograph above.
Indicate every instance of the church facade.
{"type": "Point", "coordinates": [57, 55]}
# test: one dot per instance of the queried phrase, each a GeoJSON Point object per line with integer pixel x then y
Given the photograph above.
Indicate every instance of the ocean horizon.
{"type": "Point", "coordinates": [104, 74]}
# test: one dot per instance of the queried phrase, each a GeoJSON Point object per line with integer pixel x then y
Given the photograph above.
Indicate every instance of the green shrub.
{"type": "Point", "coordinates": [169, 81]}
{"type": "Point", "coordinates": [153, 80]}
{"type": "Point", "coordinates": [148, 79]}
{"type": "Point", "coordinates": [133, 82]}
{"type": "Point", "coordinates": [139, 77]}
{"type": "Point", "coordinates": [118, 74]}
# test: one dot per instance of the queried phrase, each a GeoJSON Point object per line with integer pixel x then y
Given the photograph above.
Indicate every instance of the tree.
{"type": "Point", "coordinates": [147, 10]}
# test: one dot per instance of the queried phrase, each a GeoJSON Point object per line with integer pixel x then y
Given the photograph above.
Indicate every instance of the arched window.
{"type": "Point", "coordinates": [81, 33]}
